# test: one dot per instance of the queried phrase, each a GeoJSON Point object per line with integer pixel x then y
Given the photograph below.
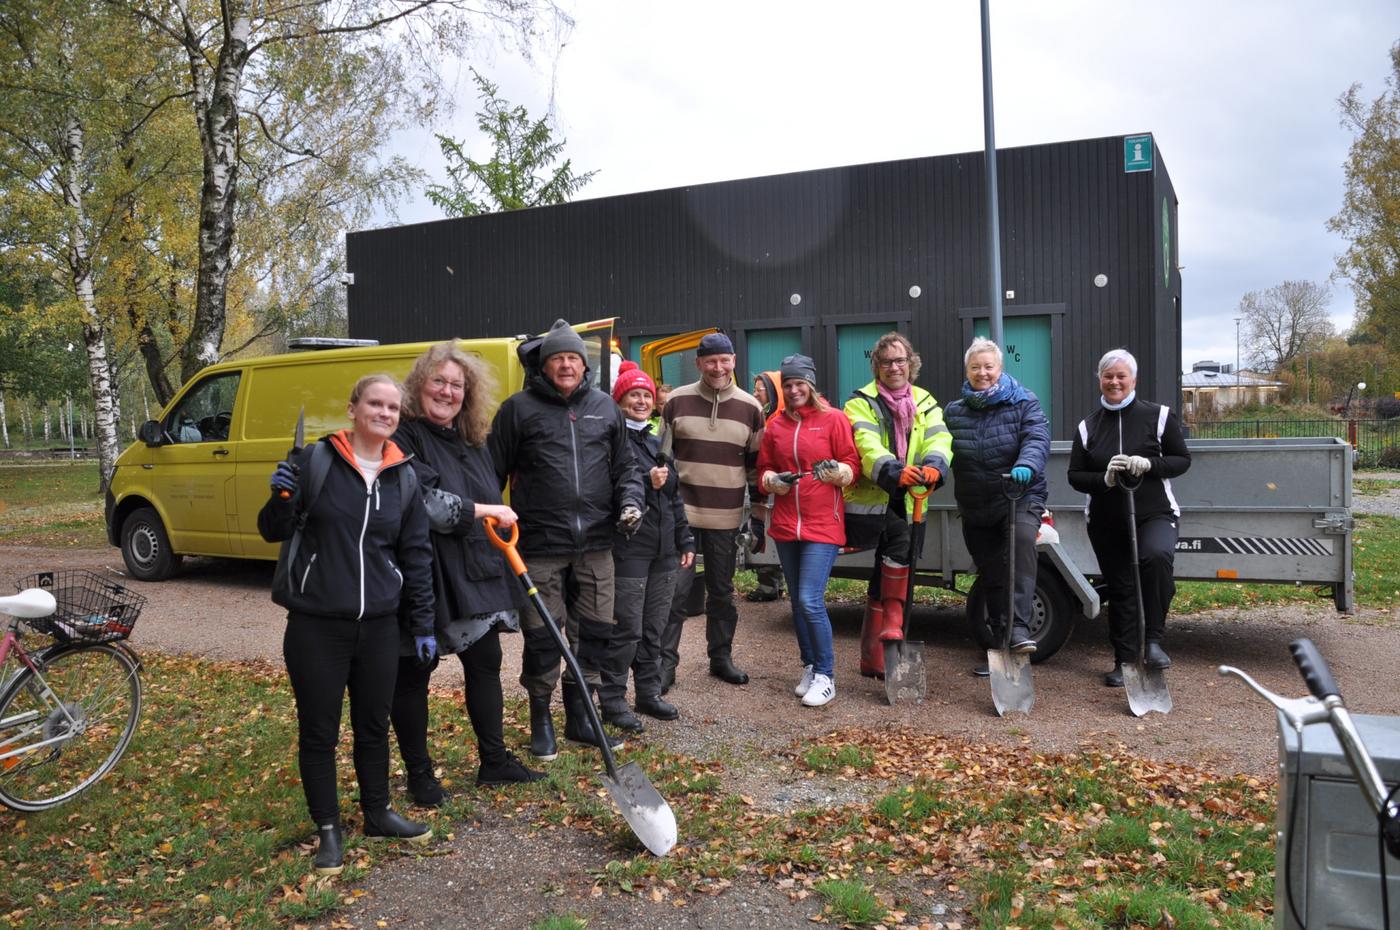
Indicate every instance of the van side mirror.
{"type": "Point", "coordinates": [152, 433]}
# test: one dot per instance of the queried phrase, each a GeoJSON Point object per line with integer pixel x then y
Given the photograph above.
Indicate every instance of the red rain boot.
{"type": "Point", "coordinates": [894, 585]}
{"type": "Point", "coordinates": [872, 651]}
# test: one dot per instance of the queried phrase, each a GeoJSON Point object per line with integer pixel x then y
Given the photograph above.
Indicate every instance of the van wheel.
{"type": "Point", "coordinates": [1051, 620]}
{"type": "Point", "coordinates": [146, 548]}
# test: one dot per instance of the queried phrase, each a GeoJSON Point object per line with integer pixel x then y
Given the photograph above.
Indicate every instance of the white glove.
{"type": "Point", "coordinates": [1138, 466]}
{"type": "Point", "coordinates": [773, 483]}
{"type": "Point", "coordinates": [1110, 477]}
{"type": "Point", "coordinates": [1118, 463]}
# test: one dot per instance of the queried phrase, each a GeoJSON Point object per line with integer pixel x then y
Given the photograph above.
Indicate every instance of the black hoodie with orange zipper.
{"type": "Point", "coordinates": [363, 549]}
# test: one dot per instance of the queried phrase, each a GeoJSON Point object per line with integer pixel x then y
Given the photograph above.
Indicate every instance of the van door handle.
{"type": "Point", "coordinates": [221, 452]}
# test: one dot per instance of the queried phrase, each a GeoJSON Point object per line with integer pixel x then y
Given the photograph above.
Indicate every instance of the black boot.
{"type": "Point", "coordinates": [668, 678]}
{"type": "Point", "coordinates": [388, 824]}
{"type": "Point", "coordinates": [330, 850]}
{"type": "Point", "coordinates": [724, 669]}
{"type": "Point", "coordinates": [578, 726]}
{"type": "Point", "coordinates": [656, 707]}
{"type": "Point", "coordinates": [623, 718]}
{"type": "Point", "coordinates": [424, 787]}
{"type": "Point", "coordinates": [509, 771]}
{"type": "Point", "coordinates": [542, 743]}
{"type": "Point", "coordinates": [1114, 679]}
{"type": "Point", "coordinates": [1155, 657]}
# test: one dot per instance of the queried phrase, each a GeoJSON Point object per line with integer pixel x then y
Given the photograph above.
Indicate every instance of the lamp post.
{"type": "Point", "coordinates": [72, 454]}
{"type": "Point", "coordinates": [1358, 386]}
{"type": "Point", "coordinates": [1238, 399]}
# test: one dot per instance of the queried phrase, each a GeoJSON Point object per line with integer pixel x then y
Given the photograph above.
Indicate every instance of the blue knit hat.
{"type": "Point", "coordinates": [714, 344]}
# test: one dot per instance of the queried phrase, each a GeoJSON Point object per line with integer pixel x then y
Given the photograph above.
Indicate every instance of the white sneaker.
{"type": "Point", "coordinates": [805, 684]}
{"type": "Point", "coordinates": [823, 690]}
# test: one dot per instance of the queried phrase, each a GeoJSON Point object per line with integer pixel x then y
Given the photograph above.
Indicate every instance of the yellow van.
{"type": "Point", "coordinates": [193, 483]}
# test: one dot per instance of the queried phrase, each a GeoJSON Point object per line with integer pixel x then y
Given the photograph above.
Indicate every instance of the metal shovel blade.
{"type": "Point", "coordinates": [905, 678]}
{"type": "Point", "coordinates": [644, 809]}
{"type": "Point", "coordinates": [1147, 690]}
{"type": "Point", "coordinates": [1012, 687]}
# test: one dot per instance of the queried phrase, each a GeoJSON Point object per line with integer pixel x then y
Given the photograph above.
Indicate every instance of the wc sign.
{"type": "Point", "coordinates": [1137, 153]}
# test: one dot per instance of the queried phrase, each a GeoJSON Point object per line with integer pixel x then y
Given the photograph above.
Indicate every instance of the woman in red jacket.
{"type": "Point", "coordinates": [806, 458]}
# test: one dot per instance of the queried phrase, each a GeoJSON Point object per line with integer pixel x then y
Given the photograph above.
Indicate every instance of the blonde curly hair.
{"type": "Point", "coordinates": [473, 421]}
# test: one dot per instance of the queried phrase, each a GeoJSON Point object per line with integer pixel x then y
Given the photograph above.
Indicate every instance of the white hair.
{"type": "Point", "coordinates": [1113, 357]}
{"type": "Point", "coordinates": [979, 345]}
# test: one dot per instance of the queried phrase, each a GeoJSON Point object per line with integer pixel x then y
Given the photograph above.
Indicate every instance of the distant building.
{"type": "Point", "coordinates": [1212, 388]}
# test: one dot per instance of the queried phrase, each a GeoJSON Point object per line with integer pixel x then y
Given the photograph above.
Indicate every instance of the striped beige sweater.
{"type": "Point", "coordinates": [715, 438]}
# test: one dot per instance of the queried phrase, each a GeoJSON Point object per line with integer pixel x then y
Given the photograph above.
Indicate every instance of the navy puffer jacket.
{"type": "Point", "coordinates": [990, 441]}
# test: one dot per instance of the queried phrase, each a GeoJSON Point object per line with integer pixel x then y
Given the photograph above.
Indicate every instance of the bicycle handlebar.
{"type": "Point", "coordinates": [1314, 669]}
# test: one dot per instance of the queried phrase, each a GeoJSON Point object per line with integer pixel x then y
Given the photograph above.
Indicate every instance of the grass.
{"type": "Point", "coordinates": [54, 504]}
{"type": "Point", "coordinates": [844, 758]}
{"type": "Point", "coordinates": [560, 922]}
{"type": "Point", "coordinates": [1374, 485]}
{"type": "Point", "coordinates": [203, 824]}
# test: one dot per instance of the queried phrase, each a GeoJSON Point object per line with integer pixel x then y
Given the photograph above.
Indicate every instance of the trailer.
{"type": "Point", "coordinates": [1273, 511]}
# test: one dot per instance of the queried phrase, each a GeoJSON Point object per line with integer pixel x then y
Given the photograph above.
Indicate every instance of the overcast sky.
{"type": "Point", "coordinates": [1241, 97]}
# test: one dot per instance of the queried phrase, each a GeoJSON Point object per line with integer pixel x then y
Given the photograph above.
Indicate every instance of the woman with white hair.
{"type": "Point", "coordinates": [998, 429]}
{"type": "Point", "coordinates": [1127, 441]}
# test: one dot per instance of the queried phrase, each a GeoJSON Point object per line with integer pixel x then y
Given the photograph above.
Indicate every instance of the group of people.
{"type": "Point", "coordinates": [385, 566]}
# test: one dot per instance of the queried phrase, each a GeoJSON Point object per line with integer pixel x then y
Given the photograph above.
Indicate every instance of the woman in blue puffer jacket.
{"type": "Point", "coordinates": [999, 428]}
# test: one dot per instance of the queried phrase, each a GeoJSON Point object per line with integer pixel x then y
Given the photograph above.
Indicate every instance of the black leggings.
{"type": "Point", "coordinates": [1156, 560]}
{"type": "Point", "coordinates": [481, 667]}
{"type": "Point", "coordinates": [325, 656]}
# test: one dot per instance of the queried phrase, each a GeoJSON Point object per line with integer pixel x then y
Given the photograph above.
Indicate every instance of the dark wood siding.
{"type": "Point", "coordinates": [849, 240]}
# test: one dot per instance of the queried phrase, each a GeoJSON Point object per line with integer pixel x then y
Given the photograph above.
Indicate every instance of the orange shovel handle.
{"type": "Point", "coordinates": [506, 544]}
{"type": "Point", "coordinates": [919, 493]}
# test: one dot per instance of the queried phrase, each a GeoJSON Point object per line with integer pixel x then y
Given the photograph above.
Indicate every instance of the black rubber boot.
{"type": "Point", "coordinates": [1114, 679]}
{"type": "Point", "coordinates": [390, 825]}
{"type": "Point", "coordinates": [578, 727]}
{"type": "Point", "coordinates": [1155, 657]}
{"type": "Point", "coordinates": [656, 707]}
{"type": "Point", "coordinates": [330, 850]}
{"type": "Point", "coordinates": [424, 787]}
{"type": "Point", "coordinates": [509, 771]}
{"type": "Point", "coordinates": [543, 746]}
{"type": "Point", "coordinates": [724, 669]}
{"type": "Point", "coordinates": [623, 718]}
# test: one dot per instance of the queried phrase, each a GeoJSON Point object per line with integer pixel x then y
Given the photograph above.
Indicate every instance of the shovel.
{"type": "Point", "coordinates": [905, 677]}
{"type": "Point", "coordinates": [644, 809]}
{"type": "Point", "coordinates": [1012, 688]}
{"type": "Point", "coordinates": [1146, 687]}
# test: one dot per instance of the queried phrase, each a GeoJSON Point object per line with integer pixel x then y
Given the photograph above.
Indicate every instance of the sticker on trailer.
{"type": "Point", "coordinates": [1256, 545]}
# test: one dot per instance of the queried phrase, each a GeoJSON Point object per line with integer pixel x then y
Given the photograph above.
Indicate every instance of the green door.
{"type": "Point", "coordinates": [768, 347]}
{"type": "Point", "coordinates": [853, 346]}
{"type": "Point", "coordinates": [1027, 352]}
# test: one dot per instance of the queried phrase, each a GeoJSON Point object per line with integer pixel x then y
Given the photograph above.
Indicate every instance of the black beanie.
{"type": "Point", "coordinates": [801, 367]}
{"type": "Point", "coordinates": [562, 338]}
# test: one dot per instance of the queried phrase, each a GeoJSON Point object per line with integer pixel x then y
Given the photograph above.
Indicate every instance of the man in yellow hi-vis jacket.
{"type": "Point", "coordinates": [903, 443]}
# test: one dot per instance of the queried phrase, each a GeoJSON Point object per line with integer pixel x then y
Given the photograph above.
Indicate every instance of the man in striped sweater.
{"type": "Point", "coordinates": [715, 429]}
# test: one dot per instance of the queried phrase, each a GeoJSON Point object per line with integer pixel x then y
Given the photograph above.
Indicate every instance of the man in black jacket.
{"type": "Point", "coordinates": [573, 479]}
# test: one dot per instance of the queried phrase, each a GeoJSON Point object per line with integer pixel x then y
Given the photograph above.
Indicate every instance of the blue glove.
{"type": "Point", "coordinates": [1022, 475]}
{"type": "Point", "coordinates": [284, 478]}
{"type": "Point", "coordinates": [425, 648]}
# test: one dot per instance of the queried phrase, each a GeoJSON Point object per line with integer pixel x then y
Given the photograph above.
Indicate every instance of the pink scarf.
{"type": "Point", "coordinates": [901, 404]}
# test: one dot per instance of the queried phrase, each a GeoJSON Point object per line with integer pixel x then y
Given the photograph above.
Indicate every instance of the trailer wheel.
{"type": "Point", "coordinates": [1051, 620]}
{"type": "Point", "coordinates": [146, 547]}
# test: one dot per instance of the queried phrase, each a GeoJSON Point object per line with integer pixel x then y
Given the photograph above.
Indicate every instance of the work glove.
{"type": "Point", "coordinates": [630, 519]}
{"type": "Point", "coordinates": [1118, 463]}
{"type": "Point", "coordinates": [930, 476]}
{"type": "Point", "coordinates": [779, 482]}
{"type": "Point", "coordinates": [284, 478]}
{"type": "Point", "coordinates": [827, 470]}
{"type": "Point", "coordinates": [1138, 466]}
{"type": "Point", "coordinates": [912, 475]}
{"type": "Point", "coordinates": [425, 650]}
{"type": "Point", "coordinates": [1110, 477]}
{"type": "Point", "coordinates": [1022, 475]}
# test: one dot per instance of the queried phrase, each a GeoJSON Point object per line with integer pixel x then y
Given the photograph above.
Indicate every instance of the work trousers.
{"type": "Point", "coordinates": [481, 673]}
{"type": "Point", "coordinates": [987, 545]}
{"type": "Point", "coordinates": [719, 551]}
{"type": "Point", "coordinates": [324, 657]}
{"type": "Point", "coordinates": [900, 543]}
{"type": "Point", "coordinates": [578, 592]}
{"type": "Point", "coordinates": [642, 605]}
{"type": "Point", "coordinates": [1156, 537]}
{"type": "Point", "coordinates": [807, 568]}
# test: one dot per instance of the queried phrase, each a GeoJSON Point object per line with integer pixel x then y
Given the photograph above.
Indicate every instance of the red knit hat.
{"type": "Point", "coordinates": [630, 377]}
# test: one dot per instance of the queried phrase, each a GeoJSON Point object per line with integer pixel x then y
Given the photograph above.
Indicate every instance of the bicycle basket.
{"type": "Point", "coordinates": [91, 609]}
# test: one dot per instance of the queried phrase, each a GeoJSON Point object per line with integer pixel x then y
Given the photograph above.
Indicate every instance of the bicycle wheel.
{"type": "Point", "coordinates": [62, 730]}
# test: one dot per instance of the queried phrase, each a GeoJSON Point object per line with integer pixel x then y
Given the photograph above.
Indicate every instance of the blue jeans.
{"type": "Point", "coordinates": [807, 567]}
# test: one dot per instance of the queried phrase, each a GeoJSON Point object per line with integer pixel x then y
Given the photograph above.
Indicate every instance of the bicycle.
{"type": "Point", "coordinates": [1329, 839]}
{"type": "Point", "coordinates": [68, 713]}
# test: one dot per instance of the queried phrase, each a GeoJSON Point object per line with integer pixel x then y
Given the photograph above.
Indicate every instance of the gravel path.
{"type": "Point", "coordinates": [499, 872]}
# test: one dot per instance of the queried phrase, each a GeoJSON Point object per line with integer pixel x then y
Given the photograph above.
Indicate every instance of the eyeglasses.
{"type": "Point", "coordinates": [438, 383]}
{"type": "Point", "coordinates": [894, 362]}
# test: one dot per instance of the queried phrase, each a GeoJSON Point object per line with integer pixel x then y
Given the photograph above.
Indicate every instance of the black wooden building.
{"type": "Point", "coordinates": [824, 261]}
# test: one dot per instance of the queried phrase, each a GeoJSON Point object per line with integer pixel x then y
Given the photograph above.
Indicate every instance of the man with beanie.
{"type": "Point", "coordinates": [715, 429]}
{"type": "Point", "coordinates": [903, 446]}
{"type": "Point", "coordinates": [562, 446]}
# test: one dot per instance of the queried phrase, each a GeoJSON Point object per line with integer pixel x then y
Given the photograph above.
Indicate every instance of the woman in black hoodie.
{"type": "Point", "coordinates": [357, 545]}
{"type": "Point", "coordinates": [1125, 441]}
